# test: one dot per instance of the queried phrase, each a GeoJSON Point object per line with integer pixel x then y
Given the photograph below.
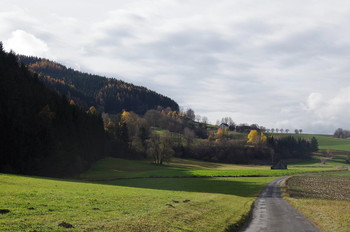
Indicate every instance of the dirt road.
{"type": "Point", "coordinates": [272, 213]}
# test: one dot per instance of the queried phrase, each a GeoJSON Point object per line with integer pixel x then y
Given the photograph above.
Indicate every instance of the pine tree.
{"type": "Point", "coordinates": [314, 144]}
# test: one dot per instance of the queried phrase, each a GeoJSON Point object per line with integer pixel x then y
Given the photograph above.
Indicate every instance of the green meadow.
{"type": "Point", "coordinates": [138, 196]}
{"type": "Point", "coordinates": [325, 141]}
{"type": "Point", "coordinates": [166, 204]}
{"type": "Point", "coordinates": [112, 168]}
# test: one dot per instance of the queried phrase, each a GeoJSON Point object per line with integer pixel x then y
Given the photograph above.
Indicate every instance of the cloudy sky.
{"type": "Point", "coordinates": [278, 63]}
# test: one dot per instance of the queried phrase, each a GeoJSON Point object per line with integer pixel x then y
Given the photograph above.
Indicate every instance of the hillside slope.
{"type": "Point", "coordinates": [106, 94]}
{"type": "Point", "coordinates": [41, 133]}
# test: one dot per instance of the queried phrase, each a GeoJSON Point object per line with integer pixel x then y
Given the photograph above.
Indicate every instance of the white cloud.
{"type": "Point", "coordinates": [25, 43]}
{"type": "Point", "coordinates": [334, 109]}
{"type": "Point", "coordinates": [314, 101]}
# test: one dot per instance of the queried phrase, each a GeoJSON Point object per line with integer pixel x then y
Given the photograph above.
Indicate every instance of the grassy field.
{"type": "Point", "coordinates": [325, 141]}
{"type": "Point", "coordinates": [324, 199]}
{"type": "Point", "coordinates": [114, 202]}
{"type": "Point", "coordinates": [112, 168]}
{"type": "Point", "coordinates": [128, 195]}
{"type": "Point", "coordinates": [329, 142]}
{"type": "Point", "coordinates": [339, 148]}
{"type": "Point", "coordinates": [140, 205]}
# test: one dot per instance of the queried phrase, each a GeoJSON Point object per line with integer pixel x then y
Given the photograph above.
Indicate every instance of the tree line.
{"type": "Point", "coordinates": [245, 128]}
{"type": "Point", "coordinates": [157, 131]}
{"type": "Point", "coordinates": [260, 149]}
{"type": "Point", "coordinates": [341, 133]}
{"type": "Point", "coordinates": [163, 133]}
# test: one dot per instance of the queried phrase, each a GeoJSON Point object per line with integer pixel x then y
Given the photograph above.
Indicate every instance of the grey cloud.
{"type": "Point", "coordinates": [180, 48]}
{"type": "Point", "coordinates": [309, 44]}
{"type": "Point", "coordinates": [109, 42]}
{"type": "Point", "coordinates": [255, 61]}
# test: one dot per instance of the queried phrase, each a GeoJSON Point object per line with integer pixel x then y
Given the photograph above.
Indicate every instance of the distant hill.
{"type": "Point", "coordinates": [105, 94]}
{"type": "Point", "coordinates": [41, 132]}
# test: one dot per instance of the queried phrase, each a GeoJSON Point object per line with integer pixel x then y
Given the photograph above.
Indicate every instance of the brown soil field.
{"type": "Point", "coordinates": [320, 187]}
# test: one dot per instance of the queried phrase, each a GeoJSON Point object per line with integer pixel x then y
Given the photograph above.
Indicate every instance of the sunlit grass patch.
{"type": "Point", "coordinates": [173, 204]}
{"type": "Point", "coordinates": [112, 168]}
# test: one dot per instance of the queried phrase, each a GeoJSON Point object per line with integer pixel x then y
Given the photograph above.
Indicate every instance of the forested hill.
{"type": "Point", "coordinates": [106, 94]}
{"type": "Point", "coordinates": [41, 133]}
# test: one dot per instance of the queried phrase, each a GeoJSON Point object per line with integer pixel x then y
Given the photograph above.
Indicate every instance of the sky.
{"type": "Point", "coordinates": [278, 63]}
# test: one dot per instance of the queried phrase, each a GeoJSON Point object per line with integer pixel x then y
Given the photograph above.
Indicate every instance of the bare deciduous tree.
{"type": "Point", "coordinates": [189, 136]}
{"type": "Point", "coordinates": [190, 114]}
{"type": "Point", "coordinates": [228, 121]}
{"type": "Point", "coordinates": [198, 118]}
{"type": "Point", "coordinates": [340, 133]}
{"type": "Point", "coordinates": [160, 147]}
{"type": "Point", "coordinates": [205, 120]}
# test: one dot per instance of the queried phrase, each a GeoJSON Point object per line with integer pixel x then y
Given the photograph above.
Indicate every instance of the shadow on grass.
{"type": "Point", "coordinates": [228, 185]}
{"type": "Point", "coordinates": [111, 168]}
{"type": "Point", "coordinates": [231, 186]}
{"type": "Point", "coordinates": [310, 162]}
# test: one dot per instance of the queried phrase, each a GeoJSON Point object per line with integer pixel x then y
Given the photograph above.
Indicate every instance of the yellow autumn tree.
{"type": "Point", "coordinates": [126, 116]}
{"type": "Point", "coordinates": [92, 110]}
{"type": "Point", "coordinates": [132, 121]}
{"type": "Point", "coordinates": [263, 138]}
{"type": "Point", "coordinates": [255, 138]}
{"type": "Point", "coordinates": [130, 118]}
{"type": "Point", "coordinates": [219, 134]}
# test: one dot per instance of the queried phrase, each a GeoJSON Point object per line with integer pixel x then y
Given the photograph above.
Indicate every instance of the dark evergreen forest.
{"type": "Point", "coordinates": [105, 94]}
{"type": "Point", "coordinates": [41, 132]}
